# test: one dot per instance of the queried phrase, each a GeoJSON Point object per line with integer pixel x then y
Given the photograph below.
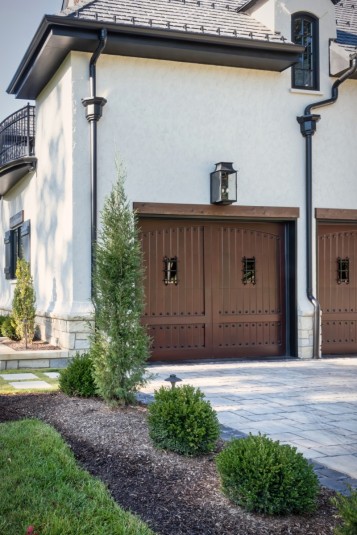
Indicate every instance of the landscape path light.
{"type": "Point", "coordinates": [173, 379]}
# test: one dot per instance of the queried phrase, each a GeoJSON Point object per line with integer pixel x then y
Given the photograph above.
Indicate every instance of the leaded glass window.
{"type": "Point", "coordinates": [305, 33]}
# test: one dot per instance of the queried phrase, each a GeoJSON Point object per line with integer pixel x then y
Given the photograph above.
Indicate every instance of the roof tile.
{"type": "Point", "coordinates": [215, 17]}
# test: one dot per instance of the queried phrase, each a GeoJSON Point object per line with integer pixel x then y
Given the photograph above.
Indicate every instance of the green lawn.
{"type": "Point", "coordinates": [42, 486]}
{"type": "Point", "coordinates": [6, 388]}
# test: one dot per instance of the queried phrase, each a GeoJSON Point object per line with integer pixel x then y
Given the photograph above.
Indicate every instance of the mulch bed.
{"type": "Point", "coordinates": [36, 345]}
{"type": "Point", "coordinates": [173, 494]}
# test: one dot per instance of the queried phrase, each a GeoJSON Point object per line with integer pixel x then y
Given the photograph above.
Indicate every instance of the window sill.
{"type": "Point", "coordinates": [306, 92]}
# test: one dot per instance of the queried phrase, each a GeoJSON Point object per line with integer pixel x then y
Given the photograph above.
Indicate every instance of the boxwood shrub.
{"type": "Point", "coordinates": [265, 476]}
{"type": "Point", "coordinates": [77, 378]}
{"type": "Point", "coordinates": [181, 420]}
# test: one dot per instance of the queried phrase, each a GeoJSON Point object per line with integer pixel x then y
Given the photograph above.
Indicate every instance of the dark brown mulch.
{"type": "Point", "coordinates": [173, 494]}
{"type": "Point", "coordinates": [36, 345]}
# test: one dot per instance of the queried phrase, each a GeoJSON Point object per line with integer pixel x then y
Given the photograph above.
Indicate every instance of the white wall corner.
{"type": "Point", "coordinates": [264, 12]}
{"type": "Point", "coordinates": [339, 59]}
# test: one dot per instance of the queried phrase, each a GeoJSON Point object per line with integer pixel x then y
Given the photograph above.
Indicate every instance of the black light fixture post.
{"type": "Point", "coordinates": [224, 184]}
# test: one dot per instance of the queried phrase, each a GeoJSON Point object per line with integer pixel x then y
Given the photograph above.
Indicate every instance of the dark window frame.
{"type": "Point", "coordinates": [17, 245]}
{"type": "Point", "coordinates": [343, 270]}
{"type": "Point", "coordinates": [314, 52]}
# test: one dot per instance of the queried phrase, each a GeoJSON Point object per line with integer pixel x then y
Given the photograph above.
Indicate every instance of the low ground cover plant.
{"type": "Point", "coordinates": [77, 379]}
{"type": "Point", "coordinates": [42, 487]}
{"type": "Point", "coordinates": [265, 476]}
{"type": "Point", "coordinates": [181, 420]}
{"type": "Point", "coordinates": [347, 508]}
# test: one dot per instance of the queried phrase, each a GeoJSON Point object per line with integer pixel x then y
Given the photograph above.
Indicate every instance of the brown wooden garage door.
{"type": "Point", "coordinates": [337, 287]}
{"type": "Point", "coordinates": [214, 289]}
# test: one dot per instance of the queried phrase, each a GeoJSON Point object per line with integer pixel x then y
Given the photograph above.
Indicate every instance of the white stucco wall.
{"type": "Point", "coordinates": [45, 196]}
{"type": "Point", "coordinates": [169, 123]}
{"type": "Point", "coordinates": [55, 203]}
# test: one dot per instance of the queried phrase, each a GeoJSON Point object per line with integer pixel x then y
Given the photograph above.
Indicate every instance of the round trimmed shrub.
{"type": "Point", "coordinates": [265, 476]}
{"type": "Point", "coordinates": [77, 378]}
{"type": "Point", "coordinates": [181, 420]}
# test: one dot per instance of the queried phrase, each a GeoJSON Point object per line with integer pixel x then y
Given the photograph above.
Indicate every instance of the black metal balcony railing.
{"type": "Point", "coordinates": [17, 135]}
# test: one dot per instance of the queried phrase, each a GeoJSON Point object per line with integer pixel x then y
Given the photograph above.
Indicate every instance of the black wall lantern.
{"type": "Point", "coordinates": [224, 184]}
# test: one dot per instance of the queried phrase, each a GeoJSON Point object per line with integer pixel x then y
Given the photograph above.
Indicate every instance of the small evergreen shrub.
{"type": "Point", "coordinates": [267, 477]}
{"type": "Point", "coordinates": [23, 304]}
{"type": "Point", "coordinates": [77, 378]}
{"type": "Point", "coordinates": [181, 420]}
{"type": "Point", "coordinates": [8, 329]}
{"type": "Point", "coordinates": [347, 508]}
{"type": "Point", "coordinates": [2, 319]}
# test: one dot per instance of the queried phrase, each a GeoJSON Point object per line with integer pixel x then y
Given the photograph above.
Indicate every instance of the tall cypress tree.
{"type": "Point", "coordinates": [120, 345]}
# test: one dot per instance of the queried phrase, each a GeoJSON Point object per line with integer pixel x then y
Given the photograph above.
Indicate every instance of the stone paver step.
{"type": "Point", "coordinates": [52, 375]}
{"type": "Point", "coordinates": [26, 385]}
{"type": "Point", "coordinates": [18, 376]}
{"type": "Point", "coordinates": [27, 381]}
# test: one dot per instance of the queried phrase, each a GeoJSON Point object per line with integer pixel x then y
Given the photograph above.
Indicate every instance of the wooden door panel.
{"type": "Point", "coordinates": [248, 315]}
{"type": "Point", "coordinates": [176, 314]}
{"type": "Point", "coordinates": [338, 297]}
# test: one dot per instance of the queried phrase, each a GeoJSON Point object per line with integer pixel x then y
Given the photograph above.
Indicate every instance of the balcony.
{"type": "Point", "coordinates": [17, 147]}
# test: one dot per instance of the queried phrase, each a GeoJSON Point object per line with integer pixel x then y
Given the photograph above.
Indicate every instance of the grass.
{"type": "Point", "coordinates": [6, 388]}
{"type": "Point", "coordinates": [42, 486]}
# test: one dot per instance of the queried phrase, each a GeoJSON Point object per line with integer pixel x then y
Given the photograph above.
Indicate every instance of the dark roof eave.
{"type": "Point", "coordinates": [12, 172]}
{"type": "Point", "coordinates": [57, 36]}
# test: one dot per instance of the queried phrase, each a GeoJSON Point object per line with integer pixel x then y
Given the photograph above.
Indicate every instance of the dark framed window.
{"type": "Point", "coordinates": [249, 270]}
{"type": "Point", "coordinates": [17, 245]}
{"type": "Point", "coordinates": [170, 270]}
{"type": "Point", "coordinates": [305, 32]}
{"type": "Point", "coordinates": [343, 270]}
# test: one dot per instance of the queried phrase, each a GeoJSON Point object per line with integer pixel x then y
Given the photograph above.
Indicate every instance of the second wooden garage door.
{"type": "Point", "coordinates": [337, 276]}
{"type": "Point", "coordinates": [214, 289]}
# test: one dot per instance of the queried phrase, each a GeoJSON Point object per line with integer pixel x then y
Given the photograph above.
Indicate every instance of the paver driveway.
{"type": "Point", "coordinates": [311, 404]}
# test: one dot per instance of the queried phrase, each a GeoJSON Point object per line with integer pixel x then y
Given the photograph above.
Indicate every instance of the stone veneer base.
{"type": "Point", "coordinates": [71, 334]}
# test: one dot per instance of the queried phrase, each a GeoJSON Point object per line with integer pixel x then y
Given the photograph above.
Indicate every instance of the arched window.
{"type": "Point", "coordinates": [305, 74]}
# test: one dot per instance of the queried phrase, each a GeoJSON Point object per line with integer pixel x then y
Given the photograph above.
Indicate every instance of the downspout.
{"type": "Point", "coordinates": [94, 106]}
{"type": "Point", "coordinates": [308, 123]}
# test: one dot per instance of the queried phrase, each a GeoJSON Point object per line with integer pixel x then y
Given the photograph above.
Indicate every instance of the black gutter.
{"type": "Point", "coordinates": [84, 30]}
{"type": "Point", "coordinates": [94, 106]}
{"type": "Point", "coordinates": [308, 123]}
